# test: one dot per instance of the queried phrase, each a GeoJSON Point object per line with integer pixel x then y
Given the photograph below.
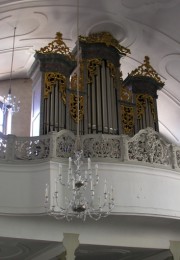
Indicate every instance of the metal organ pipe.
{"type": "Point", "coordinates": [104, 99]}
{"type": "Point", "coordinates": [99, 100]}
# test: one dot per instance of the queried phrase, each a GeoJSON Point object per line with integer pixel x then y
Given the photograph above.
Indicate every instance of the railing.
{"type": "Point", "coordinates": [147, 147]}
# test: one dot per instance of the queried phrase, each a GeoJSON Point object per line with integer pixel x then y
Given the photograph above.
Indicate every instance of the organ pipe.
{"type": "Point", "coordinates": [107, 104]}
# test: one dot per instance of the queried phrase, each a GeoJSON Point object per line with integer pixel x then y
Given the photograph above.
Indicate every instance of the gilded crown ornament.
{"type": "Point", "coordinates": [146, 70]}
{"type": "Point", "coordinates": [106, 38]}
{"type": "Point", "coordinates": [57, 46]}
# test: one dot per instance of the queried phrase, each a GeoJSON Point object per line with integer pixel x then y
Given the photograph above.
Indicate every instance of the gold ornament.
{"type": "Point", "coordinates": [146, 70]}
{"type": "Point", "coordinates": [106, 38]}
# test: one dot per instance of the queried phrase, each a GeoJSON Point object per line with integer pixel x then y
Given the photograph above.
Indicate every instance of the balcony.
{"type": "Point", "coordinates": [144, 170]}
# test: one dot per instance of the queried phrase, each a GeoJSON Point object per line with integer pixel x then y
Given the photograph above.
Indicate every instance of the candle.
{"type": "Point", "coordinates": [55, 185]}
{"type": "Point", "coordinates": [91, 185]}
{"type": "Point", "coordinates": [73, 184]}
{"type": "Point", "coordinates": [96, 169]}
{"type": "Point", "coordinates": [99, 202]}
{"type": "Point", "coordinates": [112, 193]}
{"type": "Point", "coordinates": [70, 162]}
{"type": "Point", "coordinates": [53, 206]}
{"type": "Point", "coordinates": [89, 163]}
{"type": "Point", "coordinates": [60, 170]}
{"type": "Point", "coordinates": [105, 186]}
{"type": "Point", "coordinates": [85, 175]}
{"type": "Point", "coordinates": [47, 191]}
{"type": "Point", "coordinates": [69, 173]}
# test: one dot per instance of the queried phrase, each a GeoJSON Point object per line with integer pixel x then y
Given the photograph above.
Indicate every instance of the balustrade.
{"type": "Point", "coordinates": [146, 147]}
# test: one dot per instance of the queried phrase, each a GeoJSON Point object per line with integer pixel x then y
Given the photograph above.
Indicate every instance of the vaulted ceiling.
{"type": "Point", "coordinates": [147, 27]}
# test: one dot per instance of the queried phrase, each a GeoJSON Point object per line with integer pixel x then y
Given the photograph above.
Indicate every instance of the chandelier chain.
{"type": "Point", "coordinates": [12, 60]}
{"type": "Point", "coordinates": [75, 194]}
{"type": "Point", "coordinates": [10, 104]}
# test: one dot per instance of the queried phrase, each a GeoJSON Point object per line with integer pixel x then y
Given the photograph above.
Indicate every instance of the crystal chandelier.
{"type": "Point", "coordinates": [75, 194]}
{"type": "Point", "coordinates": [79, 192]}
{"type": "Point", "coordinates": [10, 103]}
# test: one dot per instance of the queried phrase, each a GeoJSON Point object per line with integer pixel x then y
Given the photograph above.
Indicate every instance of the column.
{"type": "Point", "coordinates": [70, 243]}
{"type": "Point", "coordinates": [175, 249]}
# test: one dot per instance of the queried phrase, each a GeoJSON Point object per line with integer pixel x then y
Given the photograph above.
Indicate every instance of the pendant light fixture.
{"type": "Point", "coordinates": [75, 194]}
{"type": "Point", "coordinates": [10, 104]}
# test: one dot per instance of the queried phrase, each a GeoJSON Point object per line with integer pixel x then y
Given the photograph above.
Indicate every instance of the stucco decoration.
{"type": "Point", "coordinates": [65, 144]}
{"type": "Point", "coordinates": [148, 146]}
{"type": "Point", "coordinates": [32, 148]}
{"type": "Point", "coordinates": [178, 158]}
{"type": "Point", "coordinates": [3, 146]}
{"type": "Point", "coordinates": [102, 146]}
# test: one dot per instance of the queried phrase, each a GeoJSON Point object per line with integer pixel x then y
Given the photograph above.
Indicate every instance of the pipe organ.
{"type": "Point", "coordinates": [107, 104]}
{"type": "Point", "coordinates": [100, 54]}
{"type": "Point", "coordinates": [138, 99]}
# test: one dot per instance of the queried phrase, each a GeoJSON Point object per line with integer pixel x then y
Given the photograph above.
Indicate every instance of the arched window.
{"type": "Point", "coordinates": [1, 120]}
{"type": "Point", "coordinates": [5, 119]}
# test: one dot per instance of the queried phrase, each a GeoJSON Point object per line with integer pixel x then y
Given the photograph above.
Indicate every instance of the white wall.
{"type": "Point", "coordinates": [146, 213]}
{"type": "Point", "coordinates": [22, 89]}
{"type": "Point", "coordinates": [138, 190]}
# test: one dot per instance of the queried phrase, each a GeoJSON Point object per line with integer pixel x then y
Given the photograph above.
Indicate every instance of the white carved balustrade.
{"type": "Point", "coordinates": [146, 147]}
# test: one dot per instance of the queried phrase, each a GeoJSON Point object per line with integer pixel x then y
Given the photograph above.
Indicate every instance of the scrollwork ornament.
{"type": "Point", "coordinates": [102, 147]}
{"type": "Point", "coordinates": [147, 70]}
{"type": "Point", "coordinates": [92, 66]}
{"type": "Point", "coordinates": [126, 93]}
{"type": "Point", "coordinates": [112, 69]}
{"type": "Point", "coordinates": [64, 146]}
{"type": "Point", "coordinates": [127, 115]}
{"type": "Point", "coordinates": [32, 149]}
{"type": "Point", "coordinates": [178, 158]}
{"type": "Point", "coordinates": [74, 102]}
{"type": "Point", "coordinates": [147, 146]}
{"type": "Point", "coordinates": [57, 46]}
{"type": "Point", "coordinates": [81, 79]}
{"type": "Point", "coordinates": [50, 79]}
{"type": "Point", "coordinates": [141, 105]}
{"type": "Point", "coordinates": [106, 38]}
{"type": "Point", "coordinates": [141, 102]}
{"type": "Point", "coordinates": [3, 147]}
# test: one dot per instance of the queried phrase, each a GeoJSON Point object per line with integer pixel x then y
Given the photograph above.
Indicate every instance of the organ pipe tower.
{"type": "Point", "coordinates": [107, 104]}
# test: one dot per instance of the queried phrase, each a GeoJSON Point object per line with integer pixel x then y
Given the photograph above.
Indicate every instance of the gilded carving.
{"type": "Point", "coordinates": [141, 105]}
{"type": "Point", "coordinates": [112, 69]}
{"type": "Point", "coordinates": [126, 93]}
{"type": "Point", "coordinates": [141, 101]}
{"type": "Point", "coordinates": [74, 107]}
{"type": "Point", "coordinates": [57, 46]}
{"type": "Point", "coordinates": [146, 70]}
{"type": "Point", "coordinates": [81, 79]}
{"type": "Point", "coordinates": [106, 38]}
{"type": "Point", "coordinates": [50, 79]}
{"type": "Point", "coordinates": [92, 66]}
{"type": "Point", "coordinates": [127, 115]}
{"type": "Point", "coordinates": [74, 97]}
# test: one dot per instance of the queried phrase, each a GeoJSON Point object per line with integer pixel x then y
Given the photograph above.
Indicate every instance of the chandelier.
{"type": "Point", "coordinates": [75, 193]}
{"type": "Point", "coordinates": [79, 192]}
{"type": "Point", "coordinates": [10, 103]}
